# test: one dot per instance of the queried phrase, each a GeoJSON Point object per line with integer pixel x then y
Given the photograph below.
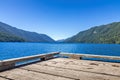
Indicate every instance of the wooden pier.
{"type": "Point", "coordinates": [53, 67]}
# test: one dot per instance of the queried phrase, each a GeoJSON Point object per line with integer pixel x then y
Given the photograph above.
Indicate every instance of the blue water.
{"type": "Point", "coordinates": [15, 50]}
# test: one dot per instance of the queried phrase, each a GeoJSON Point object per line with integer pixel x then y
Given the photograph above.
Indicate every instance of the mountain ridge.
{"type": "Point", "coordinates": [23, 34]}
{"type": "Point", "coordinates": [108, 33]}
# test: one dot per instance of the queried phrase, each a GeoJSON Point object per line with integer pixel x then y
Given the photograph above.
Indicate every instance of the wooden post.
{"type": "Point", "coordinates": [50, 56]}
{"type": "Point", "coordinates": [43, 59]}
{"type": "Point", "coordinates": [80, 56]}
{"type": "Point", "coordinates": [6, 66]}
{"type": "Point", "coordinates": [74, 56]}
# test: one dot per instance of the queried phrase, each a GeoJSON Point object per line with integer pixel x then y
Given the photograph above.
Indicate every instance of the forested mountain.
{"type": "Point", "coordinates": [109, 33]}
{"type": "Point", "coordinates": [10, 38]}
{"type": "Point", "coordinates": [9, 33]}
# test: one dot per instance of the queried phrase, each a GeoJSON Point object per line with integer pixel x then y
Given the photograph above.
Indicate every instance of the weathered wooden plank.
{"type": "Point", "coordinates": [79, 56]}
{"type": "Point", "coordinates": [14, 60]}
{"type": "Point", "coordinates": [9, 66]}
{"type": "Point", "coordinates": [84, 65]}
{"type": "Point", "coordinates": [3, 78]}
{"type": "Point", "coordinates": [69, 73]}
{"type": "Point", "coordinates": [20, 74]}
{"type": "Point", "coordinates": [10, 63]}
{"type": "Point", "coordinates": [65, 69]}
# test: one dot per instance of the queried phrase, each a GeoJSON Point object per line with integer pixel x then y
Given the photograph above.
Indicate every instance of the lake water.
{"type": "Point", "coordinates": [15, 50]}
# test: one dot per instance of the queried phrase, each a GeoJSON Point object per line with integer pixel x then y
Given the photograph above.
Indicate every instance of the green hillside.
{"type": "Point", "coordinates": [109, 33]}
{"type": "Point", "coordinates": [8, 33]}
{"type": "Point", "coordinates": [9, 38]}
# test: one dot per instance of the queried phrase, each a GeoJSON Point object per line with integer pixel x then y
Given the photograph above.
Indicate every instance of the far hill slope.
{"type": "Point", "coordinates": [22, 34]}
{"type": "Point", "coordinates": [109, 33]}
{"type": "Point", "coordinates": [10, 38]}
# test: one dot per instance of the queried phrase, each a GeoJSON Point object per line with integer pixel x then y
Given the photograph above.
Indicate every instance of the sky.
{"type": "Point", "coordinates": [58, 19]}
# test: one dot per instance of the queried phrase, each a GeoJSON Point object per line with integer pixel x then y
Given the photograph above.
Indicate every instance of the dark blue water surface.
{"type": "Point", "coordinates": [15, 50]}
